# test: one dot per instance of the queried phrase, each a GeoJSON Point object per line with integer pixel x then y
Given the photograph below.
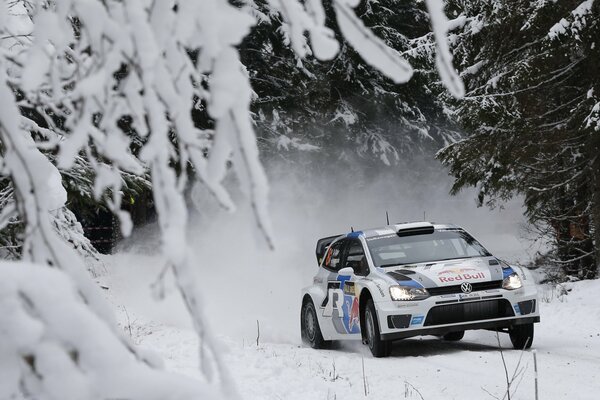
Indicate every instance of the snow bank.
{"type": "Point", "coordinates": [567, 342]}
{"type": "Point", "coordinates": [65, 351]}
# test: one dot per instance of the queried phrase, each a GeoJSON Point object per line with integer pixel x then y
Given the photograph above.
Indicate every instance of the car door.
{"type": "Point", "coordinates": [354, 257]}
{"type": "Point", "coordinates": [340, 307]}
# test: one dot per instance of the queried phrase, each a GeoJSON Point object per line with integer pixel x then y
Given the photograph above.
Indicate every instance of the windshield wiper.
{"type": "Point", "coordinates": [390, 265]}
{"type": "Point", "coordinates": [395, 265]}
{"type": "Point", "coordinates": [454, 258]}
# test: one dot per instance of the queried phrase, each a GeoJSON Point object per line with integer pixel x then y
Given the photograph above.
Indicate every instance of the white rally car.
{"type": "Point", "coordinates": [414, 279]}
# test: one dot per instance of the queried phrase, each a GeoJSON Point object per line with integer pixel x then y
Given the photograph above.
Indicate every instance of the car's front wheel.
{"type": "Point", "coordinates": [309, 326]}
{"type": "Point", "coordinates": [378, 347]}
{"type": "Point", "coordinates": [521, 336]}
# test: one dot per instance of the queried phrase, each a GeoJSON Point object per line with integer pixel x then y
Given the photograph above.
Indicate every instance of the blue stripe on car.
{"type": "Point", "coordinates": [506, 272]}
{"type": "Point", "coordinates": [342, 279]}
{"type": "Point", "coordinates": [411, 283]}
{"type": "Point", "coordinates": [354, 234]}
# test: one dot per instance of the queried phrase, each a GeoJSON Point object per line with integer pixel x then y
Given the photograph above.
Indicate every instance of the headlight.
{"type": "Point", "coordinates": [408, 293]}
{"type": "Point", "coordinates": [512, 282]}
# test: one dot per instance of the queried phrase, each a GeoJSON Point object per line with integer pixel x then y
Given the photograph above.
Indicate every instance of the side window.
{"type": "Point", "coordinates": [333, 258]}
{"type": "Point", "coordinates": [356, 259]}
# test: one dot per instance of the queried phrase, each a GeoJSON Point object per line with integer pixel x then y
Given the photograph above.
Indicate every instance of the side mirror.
{"type": "Point", "coordinates": [347, 271]}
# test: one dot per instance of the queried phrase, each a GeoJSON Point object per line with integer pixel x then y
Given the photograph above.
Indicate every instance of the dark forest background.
{"type": "Point", "coordinates": [529, 125]}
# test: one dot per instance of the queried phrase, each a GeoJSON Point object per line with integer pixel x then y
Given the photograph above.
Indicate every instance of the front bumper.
{"type": "Point", "coordinates": [438, 315]}
{"type": "Point", "coordinates": [442, 330]}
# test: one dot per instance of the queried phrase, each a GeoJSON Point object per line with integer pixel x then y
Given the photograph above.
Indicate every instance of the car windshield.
{"type": "Point", "coordinates": [392, 250]}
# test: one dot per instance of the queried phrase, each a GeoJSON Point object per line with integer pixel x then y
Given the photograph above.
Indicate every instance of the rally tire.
{"type": "Point", "coordinates": [521, 336]}
{"type": "Point", "coordinates": [379, 348]}
{"type": "Point", "coordinates": [454, 336]}
{"type": "Point", "coordinates": [309, 327]}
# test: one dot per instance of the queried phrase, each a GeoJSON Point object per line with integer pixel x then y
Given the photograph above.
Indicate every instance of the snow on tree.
{"type": "Point", "coordinates": [346, 108]}
{"type": "Point", "coordinates": [115, 84]}
{"type": "Point", "coordinates": [531, 114]}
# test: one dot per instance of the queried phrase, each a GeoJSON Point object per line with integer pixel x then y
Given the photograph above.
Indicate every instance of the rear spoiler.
{"type": "Point", "coordinates": [322, 245]}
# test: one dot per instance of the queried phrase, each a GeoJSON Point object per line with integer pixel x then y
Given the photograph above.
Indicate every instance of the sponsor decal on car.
{"type": "Point", "coordinates": [333, 301]}
{"type": "Point", "coordinates": [407, 305]}
{"type": "Point", "coordinates": [462, 277]}
{"type": "Point", "coordinates": [342, 305]}
{"type": "Point", "coordinates": [417, 320]}
{"type": "Point", "coordinates": [350, 288]}
{"type": "Point", "coordinates": [381, 237]}
{"type": "Point", "coordinates": [517, 309]}
{"type": "Point", "coordinates": [455, 271]}
{"type": "Point", "coordinates": [459, 275]}
{"type": "Point", "coordinates": [353, 320]}
{"type": "Point", "coordinates": [468, 296]}
{"type": "Point", "coordinates": [377, 285]}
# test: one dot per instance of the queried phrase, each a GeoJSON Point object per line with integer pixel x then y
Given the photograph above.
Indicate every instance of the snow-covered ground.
{"type": "Point", "coordinates": [567, 343]}
{"type": "Point", "coordinates": [243, 283]}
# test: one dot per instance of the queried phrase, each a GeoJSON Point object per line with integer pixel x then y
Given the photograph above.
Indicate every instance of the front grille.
{"type": "Point", "coordinates": [442, 290]}
{"type": "Point", "coordinates": [466, 312]}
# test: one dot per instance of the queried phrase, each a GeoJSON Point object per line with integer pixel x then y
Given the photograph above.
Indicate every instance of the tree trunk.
{"type": "Point", "coordinates": [596, 216]}
{"type": "Point", "coordinates": [595, 211]}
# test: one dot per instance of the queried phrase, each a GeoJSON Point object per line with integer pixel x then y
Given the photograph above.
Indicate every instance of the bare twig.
{"type": "Point", "coordinates": [364, 377]}
{"type": "Point", "coordinates": [128, 321]}
{"type": "Point", "coordinates": [334, 377]}
{"type": "Point", "coordinates": [257, 332]}
{"type": "Point", "coordinates": [535, 369]}
{"type": "Point", "coordinates": [521, 373]}
{"type": "Point", "coordinates": [408, 385]}
{"type": "Point", "coordinates": [518, 372]}
{"type": "Point", "coordinates": [504, 364]}
{"type": "Point", "coordinates": [485, 390]}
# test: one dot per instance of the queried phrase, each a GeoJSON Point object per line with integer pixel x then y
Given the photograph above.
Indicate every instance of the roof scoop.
{"type": "Point", "coordinates": [414, 228]}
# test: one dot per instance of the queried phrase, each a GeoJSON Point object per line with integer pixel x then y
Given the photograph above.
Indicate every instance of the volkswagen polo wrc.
{"type": "Point", "coordinates": [414, 279]}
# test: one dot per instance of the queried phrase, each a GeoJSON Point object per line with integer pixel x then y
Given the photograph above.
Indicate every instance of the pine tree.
{"type": "Point", "coordinates": [532, 116]}
{"type": "Point", "coordinates": [345, 109]}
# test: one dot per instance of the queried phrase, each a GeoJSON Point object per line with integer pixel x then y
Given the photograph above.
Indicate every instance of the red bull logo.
{"type": "Point", "coordinates": [462, 277]}
{"type": "Point", "coordinates": [455, 271]}
{"type": "Point", "coordinates": [354, 320]}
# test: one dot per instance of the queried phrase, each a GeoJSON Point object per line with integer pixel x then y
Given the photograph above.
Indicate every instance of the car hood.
{"type": "Point", "coordinates": [450, 272]}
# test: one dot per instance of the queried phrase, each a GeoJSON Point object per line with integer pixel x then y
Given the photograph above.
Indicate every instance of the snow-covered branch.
{"type": "Point", "coordinates": [115, 83]}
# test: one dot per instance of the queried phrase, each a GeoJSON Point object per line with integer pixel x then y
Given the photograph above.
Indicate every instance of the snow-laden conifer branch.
{"type": "Point", "coordinates": [37, 193]}
{"type": "Point", "coordinates": [575, 23]}
{"type": "Point", "coordinates": [443, 58]}
{"type": "Point", "coordinates": [372, 49]}
{"type": "Point", "coordinates": [105, 78]}
{"type": "Point", "coordinates": [309, 17]}
{"type": "Point", "coordinates": [53, 346]}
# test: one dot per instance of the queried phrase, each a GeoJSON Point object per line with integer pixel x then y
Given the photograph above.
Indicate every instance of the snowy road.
{"type": "Point", "coordinates": [247, 285]}
{"type": "Point", "coordinates": [569, 368]}
{"type": "Point", "coordinates": [567, 343]}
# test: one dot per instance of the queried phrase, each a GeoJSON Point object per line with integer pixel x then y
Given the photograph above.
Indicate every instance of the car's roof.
{"type": "Point", "coordinates": [394, 228]}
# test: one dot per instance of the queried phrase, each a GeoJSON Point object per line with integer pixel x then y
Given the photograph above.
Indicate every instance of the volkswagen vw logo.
{"type": "Point", "coordinates": [466, 287]}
